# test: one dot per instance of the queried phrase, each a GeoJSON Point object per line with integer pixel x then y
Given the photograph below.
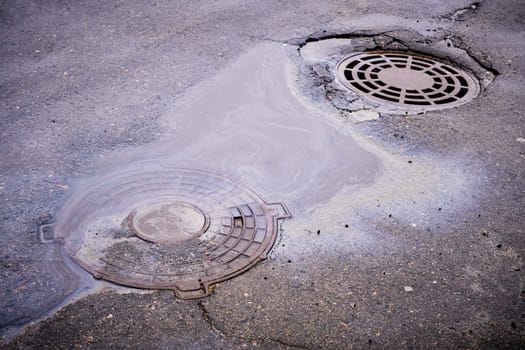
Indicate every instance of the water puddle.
{"type": "Point", "coordinates": [247, 123]}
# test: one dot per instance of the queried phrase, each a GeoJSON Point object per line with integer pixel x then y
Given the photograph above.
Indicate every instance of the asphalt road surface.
{"type": "Point", "coordinates": [406, 230]}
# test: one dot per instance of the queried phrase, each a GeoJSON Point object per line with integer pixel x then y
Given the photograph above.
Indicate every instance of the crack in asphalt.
{"type": "Point", "coordinates": [457, 41]}
{"type": "Point", "coordinates": [301, 42]}
{"type": "Point", "coordinates": [458, 14]}
{"type": "Point", "coordinates": [207, 318]}
{"type": "Point", "coordinates": [482, 62]}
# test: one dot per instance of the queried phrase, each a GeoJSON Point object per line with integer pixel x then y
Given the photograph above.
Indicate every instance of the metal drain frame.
{"type": "Point", "coordinates": [191, 287]}
{"type": "Point", "coordinates": [452, 86]}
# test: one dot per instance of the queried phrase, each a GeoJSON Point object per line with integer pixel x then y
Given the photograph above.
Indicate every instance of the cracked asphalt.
{"type": "Point", "coordinates": [429, 254]}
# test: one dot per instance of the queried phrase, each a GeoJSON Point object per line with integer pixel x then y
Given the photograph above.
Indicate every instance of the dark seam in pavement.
{"type": "Point", "coordinates": [457, 41]}
{"type": "Point", "coordinates": [209, 321]}
{"type": "Point", "coordinates": [457, 14]}
{"type": "Point", "coordinates": [394, 40]}
{"type": "Point", "coordinates": [272, 40]}
{"type": "Point", "coordinates": [206, 316]}
{"type": "Point", "coordinates": [460, 44]}
{"type": "Point", "coordinates": [300, 42]}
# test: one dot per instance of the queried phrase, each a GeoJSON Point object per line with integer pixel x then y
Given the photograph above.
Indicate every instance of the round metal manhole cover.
{"type": "Point", "coordinates": [407, 81]}
{"type": "Point", "coordinates": [164, 227]}
{"type": "Point", "coordinates": [168, 221]}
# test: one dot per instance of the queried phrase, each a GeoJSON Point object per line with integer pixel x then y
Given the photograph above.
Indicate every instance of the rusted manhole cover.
{"type": "Point", "coordinates": [163, 227]}
{"type": "Point", "coordinates": [413, 82]}
{"type": "Point", "coordinates": [168, 221]}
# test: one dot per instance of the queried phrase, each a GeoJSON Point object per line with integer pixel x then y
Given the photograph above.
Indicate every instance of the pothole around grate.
{"type": "Point", "coordinates": [163, 227]}
{"type": "Point", "coordinates": [410, 81]}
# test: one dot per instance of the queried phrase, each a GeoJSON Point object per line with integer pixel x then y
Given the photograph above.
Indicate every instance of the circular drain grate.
{"type": "Point", "coordinates": [413, 82]}
{"type": "Point", "coordinates": [167, 228]}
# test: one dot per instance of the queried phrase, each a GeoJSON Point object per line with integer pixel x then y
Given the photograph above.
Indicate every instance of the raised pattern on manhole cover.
{"type": "Point", "coordinates": [409, 81]}
{"type": "Point", "coordinates": [168, 221]}
{"type": "Point", "coordinates": [164, 227]}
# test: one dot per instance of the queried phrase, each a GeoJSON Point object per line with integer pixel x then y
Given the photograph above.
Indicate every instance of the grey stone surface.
{"type": "Point", "coordinates": [435, 260]}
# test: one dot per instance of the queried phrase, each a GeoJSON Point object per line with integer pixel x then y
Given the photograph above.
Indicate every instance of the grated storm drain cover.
{"type": "Point", "coordinates": [411, 81]}
{"type": "Point", "coordinates": [164, 227]}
